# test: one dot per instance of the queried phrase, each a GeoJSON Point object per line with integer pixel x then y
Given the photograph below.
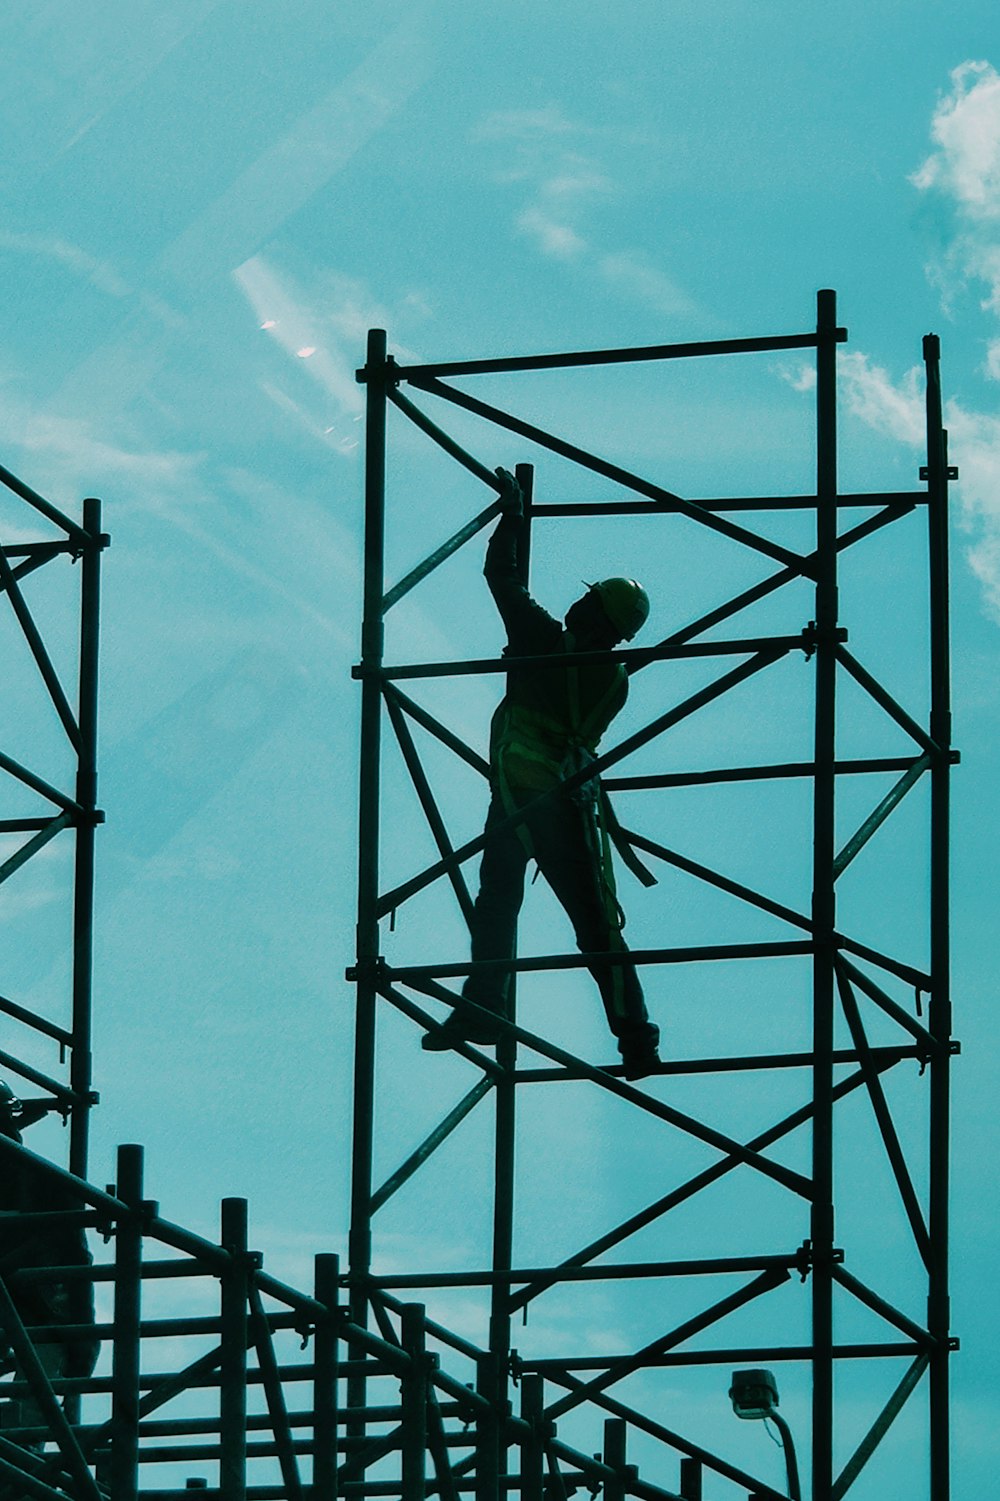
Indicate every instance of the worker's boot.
{"type": "Point", "coordinates": [639, 1050]}
{"type": "Point", "coordinates": [464, 1025]}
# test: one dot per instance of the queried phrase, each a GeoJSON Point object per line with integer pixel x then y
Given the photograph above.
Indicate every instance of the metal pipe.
{"type": "Point", "coordinates": [630, 355]}
{"type": "Point", "coordinates": [883, 1116]}
{"type": "Point", "coordinates": [666, 1435]}
{"type": "Point", "coordinates": [615, 1433]}
{"type": "Point", "coordinates": [824, 897]}
{"type": "Point", "coordinates": [86, 796]}
{"type": "Point", "coordinates": [125, 1363]}
{"type": "Point", "coordinates": [633, 657]}
{"type": "Point", "coordinates": [775, 772]}
{"type": "Point", "coordinates": [277, 1410]}
{"type": "Point", "coordinates": [658, 726]}
{"type": "Point", "coordinates": [44, 507]}
{"type": "Point", "coordinates": [233, 1368]}
{"type": "Point", "coordinates": [428, 803]}
{"type": "Point", "coordinates": [487, 1453]}
{"type": "Point", "coordinates": [428, 1146]}
{"type": "Point", "coordinates": [372, 637]}
{"type": "Point", "coordinates": [938, 1299]}
{"type": "Point", "coordinates": [711, 520]}
{"type": "Point", "coordinates": [47, 672]}
{"type": "Point", "coordinates": [617, 1370]}
{"type": "Point", "coordinates": [695, 1267]}
{"type": "Point", "coordinates": [326, 1355]}
{"type": "Point", "coordinates": [904, 501]}
{"type": "Point", "coordinates": [879, 1428]}
{"type": "Point", "coordinates": [532, 1486]}
{"type": "Point", "coordinates": [413, 1458]}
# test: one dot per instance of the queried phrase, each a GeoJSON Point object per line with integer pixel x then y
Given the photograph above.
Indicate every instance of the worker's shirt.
{"type": "Point", "coordinates": [550, 720]}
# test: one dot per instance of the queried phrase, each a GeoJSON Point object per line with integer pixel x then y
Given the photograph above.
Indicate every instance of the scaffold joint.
{"type": "Point", "coordinates": [372, 970]}
{"type": "Point", "coordinates": [812, 637]}
{"type": "Point", "coordinates": [806, 1258]}
{"type": "Point", "coordinates": [390, 372]}
{"type": "Point", "coordinates": [951, 471]}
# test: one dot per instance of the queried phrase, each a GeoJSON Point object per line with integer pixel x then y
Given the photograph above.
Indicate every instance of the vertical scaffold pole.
{"type": "Point", "coordinates": [128, 1311]}
{"type": "Point", "coordinates": [940, 1003]}
{"type": "Point", "coordinates": [233, 1369]}
{"type": "Point", "coordinates": [325, 1378]}
{"type": "Point", "coordinates": [376, 372]}
{"type": "Point", "coordinates": [823, 899]}
{"type": "Point", "coordinates": [86, 796]}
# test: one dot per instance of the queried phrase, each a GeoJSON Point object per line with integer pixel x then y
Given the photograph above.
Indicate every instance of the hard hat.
{"type": "Point", "coordinates": [625, 603]}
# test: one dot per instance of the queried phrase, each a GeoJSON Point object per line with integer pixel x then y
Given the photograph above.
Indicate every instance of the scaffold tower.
{"type": "Point", "coordinates": [834, 1310]}
{"type": "Point", "coordinates": [706, 1253]}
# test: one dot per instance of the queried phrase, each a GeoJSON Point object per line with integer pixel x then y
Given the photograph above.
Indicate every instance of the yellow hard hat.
{"type": "Point", "coordinates": [625, 602]}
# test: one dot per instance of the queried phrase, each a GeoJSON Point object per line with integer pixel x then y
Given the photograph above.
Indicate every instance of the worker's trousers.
{"type": "Point", "coordinates": [565, 840]}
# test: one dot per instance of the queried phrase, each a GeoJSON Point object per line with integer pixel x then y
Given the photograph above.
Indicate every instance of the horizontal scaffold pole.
{"type": "Point", "coordinates": [626, 355]}
{"type": "Point", "coordinates": [615, 472]}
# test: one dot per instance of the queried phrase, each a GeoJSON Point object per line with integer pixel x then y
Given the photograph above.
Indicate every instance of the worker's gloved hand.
{"type": "Point", "coordinates": [511, 499]}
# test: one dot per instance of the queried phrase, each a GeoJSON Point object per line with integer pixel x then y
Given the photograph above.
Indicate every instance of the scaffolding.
{"type": "Point", "coordinates": [853, 988]}
{"type": "Point", "coordinates": [216, 1377]}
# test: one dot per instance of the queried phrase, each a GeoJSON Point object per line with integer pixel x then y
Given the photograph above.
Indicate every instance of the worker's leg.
{"type": "Point", "coordinates": [493, 931]}
{"type": "Point", "coordinates": [566, 842]}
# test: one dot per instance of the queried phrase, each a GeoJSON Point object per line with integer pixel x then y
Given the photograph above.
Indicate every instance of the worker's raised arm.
{"type": "Point", "coordinates": [530, 629]}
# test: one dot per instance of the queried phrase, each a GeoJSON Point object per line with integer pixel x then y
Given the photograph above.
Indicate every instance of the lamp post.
{"type": "Point", "coordinates": [754, 1395]}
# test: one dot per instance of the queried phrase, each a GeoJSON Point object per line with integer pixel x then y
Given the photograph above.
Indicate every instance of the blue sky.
{"type": "Point", "coordinates": [205, 206]}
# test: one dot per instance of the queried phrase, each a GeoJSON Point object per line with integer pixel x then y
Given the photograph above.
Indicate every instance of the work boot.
{"type": "Point", "coordinates": [459, 1027]}
{"type": "Point", "coordinates": [639, 1050]}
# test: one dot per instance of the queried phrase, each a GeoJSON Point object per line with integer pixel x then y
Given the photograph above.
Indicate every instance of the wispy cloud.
{"type": "Point", "coordinates": [962, 176]}
{"type": "Point", "coordinates": [318, 145]}
{"type": "Point", "coordinates": [322, 328]}
{"type": "Point", "coordinates": [964, 171]}
{"type": "Point", "coordinates": [557, 164]}
{"type": "Point", "coordinates": [966, 130]}
{"type": "Point", "coordinates": [99, 273]}
{"type": "Point", "coordinates": [895, 407]}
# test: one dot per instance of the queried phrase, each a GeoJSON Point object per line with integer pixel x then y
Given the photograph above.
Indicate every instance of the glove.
{"type": "Point", "coordinates": [511, 499]}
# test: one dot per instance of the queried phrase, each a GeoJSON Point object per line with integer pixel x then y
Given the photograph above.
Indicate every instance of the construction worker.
{"type": "Point", "coordinates": [40, 1302]}
{"type": "Point", "coordinates": [548, 727]}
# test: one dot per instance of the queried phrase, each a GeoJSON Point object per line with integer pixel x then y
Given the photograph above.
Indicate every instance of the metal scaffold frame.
{"type": "Point", "coordinates": [843, 987]}
{"type": "Point", "coordinates": [71, 809]}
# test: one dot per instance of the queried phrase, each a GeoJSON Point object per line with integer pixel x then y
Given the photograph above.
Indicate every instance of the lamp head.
{"type": "Point", "coordinates": [754, 1394]}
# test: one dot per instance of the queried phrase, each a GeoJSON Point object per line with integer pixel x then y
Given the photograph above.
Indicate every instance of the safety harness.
{"type": "Point", "coordinates": [547, 752]}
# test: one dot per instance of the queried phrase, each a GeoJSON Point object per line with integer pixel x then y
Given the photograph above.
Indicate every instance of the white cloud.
{"type": "Point", "coordinates": [993, 359]}
{"type": "Point", "coordinates": [966, 129]}
{"type": "Point", "coordinates": [800, 377]}
{"type": "Point", "coordinates": [552, 238]}
{"type": "Point", "coordinates": [964, 171]}
{"type": "Point", "coordinates": [633, 272]}
{"type": "Point", "coordinates": [562, 183]}
{"type": "Point", "coordinates": [525, 124]}
{"type": "Point", "coordinates": [896, 409]}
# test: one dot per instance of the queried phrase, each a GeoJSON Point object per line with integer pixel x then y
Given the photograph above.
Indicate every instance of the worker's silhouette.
{"type": "Point", "coordinates": [548, 727]}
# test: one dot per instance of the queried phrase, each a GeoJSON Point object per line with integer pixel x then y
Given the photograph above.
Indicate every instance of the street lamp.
{"type": "Point", "coordinates": [754, 1395]}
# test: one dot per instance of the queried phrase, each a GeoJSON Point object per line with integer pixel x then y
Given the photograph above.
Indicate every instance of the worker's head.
{"type": "Point", "coordinates": [10, 1112]}
{"type": "Point", "coordinates": [612, 610]}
